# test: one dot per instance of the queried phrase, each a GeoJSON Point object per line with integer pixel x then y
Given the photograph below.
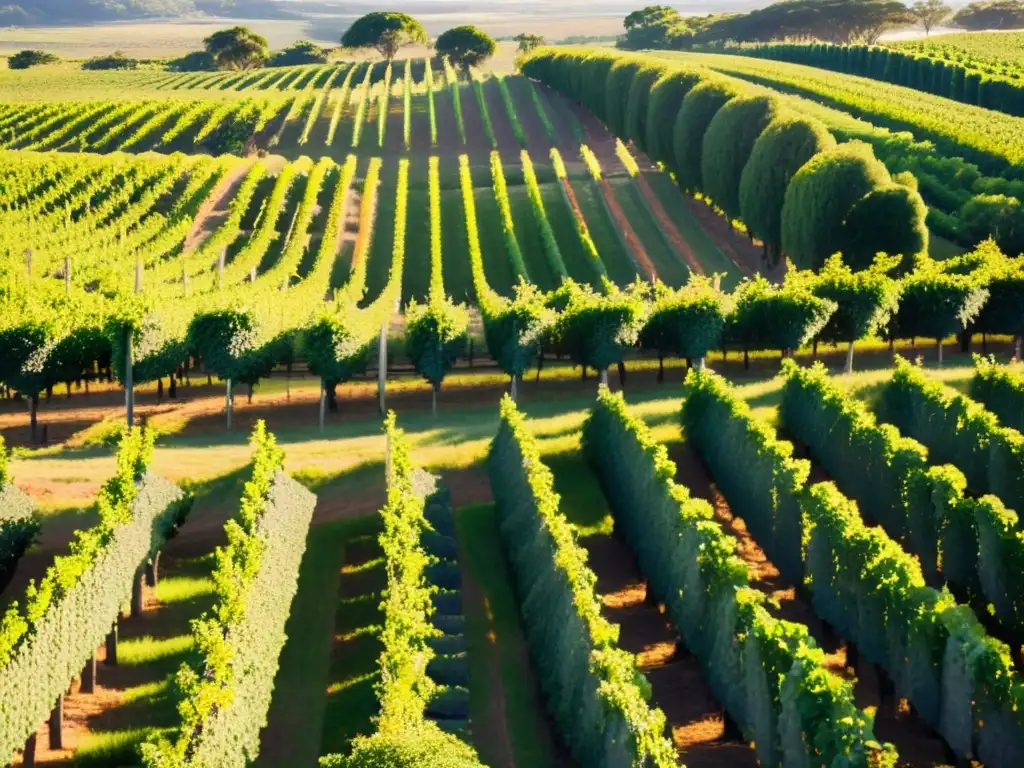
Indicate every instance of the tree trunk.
{"type": "Point", "coordinates": [939, 344]}
{"type": "Point", "coordinates": [622, 375]}
{"type": "Point", "coordinates": [172, 390]}
{"type": "Point", "coordinates": [848, 368]}
{"type": "Point", "coordinates": [111, 660]}
{"type": "Point", "coordinates": [746, 360]}
{"type": "Point", "coordinates": [433, 399]}
{"type": "Point", "coordinates": [700, 364]}
{"type": "Point", "coordinates": [583, 376]}
{"type": "Point", "coordinates": [34, 416]}
{"type": "Point", "coordinates": [57, 725]}
{"type": "Point", "coordinates": [323, 404]}
{"type": "Point", "coordinates": [814, 348]}
{"type": "Point", "coordinates": [661, 369]}
{"type": "Point", "coordinates": [251, 387]}
{"type": "Point", "coordinates": [88, 683]}
{"type": "Point", "coordinates": [1018, 343]}
{"type": "Point", "coordinates": [228, 403]}
{"type": "Point", "coordinates": [540, 366]}
{"type": "Point", "coordinates": [137, 593]}
{"type": "Point", "coordinates": [514, 393]}
{"type": "Point", "coordinates": [28, 755]}
{"type": "Point", "coordinates": [153, 571]}
{"type": "Point", "coordinates": [67, 384]}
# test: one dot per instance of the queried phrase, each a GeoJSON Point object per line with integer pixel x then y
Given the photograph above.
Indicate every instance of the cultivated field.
{"type": "Point", "coordinates": [740, 553]}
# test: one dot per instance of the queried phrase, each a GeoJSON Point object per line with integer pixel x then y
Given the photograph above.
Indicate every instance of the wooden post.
{"type": "Point", "coordinates": [153, 571]}
{"type": "Point", "coordinates": [138, 593]}
{"type": "Point", "coordinates": [88, 684]}
{"type": "Point", "coordinates": [184, 280]}
{"type": "Point", "coordinates": [382, 368]}
{"type": "Point", "coordinates": [220, 267]}
{"type": "Point", "coordinates": [129, 375]}
{"type": "Point", "coordinates": [138, 275]}
{"type": "Point", "coordinates": [67, 275]}
{"type": "Point", "coordinates": [57, 724]}
{"type": "Point", "coordinates": [323, 404]}
{"type": "Point", "coordinates": [514, 393]}
{"type": "Point", "coordinates": [111, 660]}
{"type": "Point", "coordinates": [228, 403]}
{"type": "Point", "coordinates": [28, 756]}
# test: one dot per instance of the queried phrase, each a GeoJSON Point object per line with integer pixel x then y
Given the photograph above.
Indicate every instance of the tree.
{"type": "Point", "coordinates": [930, 13]}
{"type": "Point", "coordinates": [436, 335]}
{"type": "Point", "coordinates": [387, 31]}
{"type": "Point", "coordinates": [890, 219]}
{"type": "Point", "coordinates": [728, 144]}
{"type": "Point", "coordinates": [237, 48]}
{"type": "Point", "coordinates": [656, 26]}
{"type": "Point", "coordinates": [784, 147]}
{"type": "Point", "coordinates": [528, 42]}
{"type": "Point", "coordinates": [821, 196]}
{"type": "Point", "coordinates": [300, 52]}
{"type": "Point", "coordinates": [997, 14]}
{"type": "Point", "coordinates": [116, 60]}
{"type": "Point", "coordinates": [26, 59]}
{"type": "Point", "coordinates": [698, 110]}
{"type": "Point", "coordinates": [465, 46]}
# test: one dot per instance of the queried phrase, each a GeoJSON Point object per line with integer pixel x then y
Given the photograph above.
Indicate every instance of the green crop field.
{"type": "Point", "coordinates": [770, 539]}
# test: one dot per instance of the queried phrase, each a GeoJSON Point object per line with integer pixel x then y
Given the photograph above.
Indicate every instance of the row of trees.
{"type": "Point", "coordinates": [841, 21]}
{"type": "Point", "coordinates": [384, 31]}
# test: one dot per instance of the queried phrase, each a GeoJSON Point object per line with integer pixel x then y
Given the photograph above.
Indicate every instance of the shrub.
{"type": "Point", "coordinates": [30, 58]}
{"type": "Point", "coordinates": [699, 108]}
{"type": "Point", "coordinates": [117, 60]}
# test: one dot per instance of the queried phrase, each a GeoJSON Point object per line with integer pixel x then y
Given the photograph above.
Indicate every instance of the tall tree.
{"type": "Point", "coordinates": [237, 48]}
{"type": "Point", "coordinates": [528, 42]}
{"type": "Point", "coordinates": [465, 46]}
{"type": "Point", "coordinates": [387, 31]}
{"type": "Point", "coordinates": [930, 13]}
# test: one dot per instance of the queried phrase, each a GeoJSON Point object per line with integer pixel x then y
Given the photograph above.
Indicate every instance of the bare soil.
{"type": "Point", "coordinates": [895, 720]}
{"type": "Point", "coordinates": [679, 244]}
{"type": "Point", "coordinates": [633, 243]}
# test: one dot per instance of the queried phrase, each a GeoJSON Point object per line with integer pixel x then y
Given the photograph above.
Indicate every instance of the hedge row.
{"type": "Point", "coordinates": [974, 544]}
{"type": "Point", "coordinates": [956, 430]}
{"type": "Point", "coordinates": [46, 639]}
{"type": "Point", "coordinates": [592, 688]}
{"type": "Point", "coordinates": [1001, 390]}
{"type": "Point", "coordinates": [417, 521]}
{"type": "Point", "coordinates": [225, 694]}
{"type": "Point", "coordinates": [923, 73]}
{"type": "Point", "coordinates": [780, 173]}
{"type": "Point", "coordinates": [19, 524]}
{"type": "Point", "coordinates": [961, 681]}
{"type": "Point", "coordinates": [767, 672]}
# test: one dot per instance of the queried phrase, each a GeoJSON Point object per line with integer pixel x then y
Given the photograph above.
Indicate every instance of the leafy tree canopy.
{"type": "Point", "coordinates": [661, 26]}
{"type": "Point", "coordinates": [26, 59]}
{"type": "Point", "coordinates": [237, 48]}
{"type": "Point", "coordinates": [387, 31]}
{"type": "Point", "coordinates": [995, 14]}
{"type": "Point", "coordinates": [465, 46]}
{"type": "Point", "coordinates": [116, 60]}
{"type": "Point", "coordinates": [528, 42]}
{"type": "Point", "coordinates": [930, 13]}
{"type": "Point", "coordinates": [300, 52]}
{"type": "Point", "coordinates": [838, 21]}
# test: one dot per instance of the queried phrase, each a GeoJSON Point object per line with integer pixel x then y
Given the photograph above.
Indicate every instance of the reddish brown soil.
{"type": "Point", "coordinates": [895, 721]}
{"type": "Point", "coordinates": [214, 209]}
{"type": "Point", "coordinates": [744, 254]}
{"type": "Point", "coordinates": [697, 723]}
{"type": "Point", "coordinates": [636, 248]}
{"type": "Point", "coordinates": [682, 248]}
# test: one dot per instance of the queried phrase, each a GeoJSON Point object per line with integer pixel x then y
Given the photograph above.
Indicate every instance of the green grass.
{"type": "Point", "coordinates": [416, 271]}
{"type": "Point", "coordinates": [298, 706]}
{"type": "Point", "coordinates": [578, 263]}
{"type": "Point", "coordinates": [379, 265]}
{"type": "Point", "coordinates": [497, 263]}
{"type": "Point", "coordinates": [617, 261]}
{"type": "Point", "coordinates": [530, 242]}
{"type": "Point", "coordinates": [351, 701]}
{"type": "Point", "coordinates": [708, 255]}
{"type": "Point", "coordinates": [670, 266]}
{"type": "Point", "coordinates": [458, 279]}
{"type": "Point", "coordinates": [498, 630]}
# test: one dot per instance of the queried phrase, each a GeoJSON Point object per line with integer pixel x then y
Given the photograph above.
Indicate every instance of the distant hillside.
{"type": "Point", "coordinates": [28, 12]}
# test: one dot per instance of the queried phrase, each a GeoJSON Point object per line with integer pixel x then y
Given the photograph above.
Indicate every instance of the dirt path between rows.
{"type": "Point", "coordinates": [895, 721]}
{"type": "Point", "coordinates": [508, 144]}
{"type": "Point", "coordinates": [215, 208]}
{"type": "Point", "coordinates": [697, 723]}
{"type": "Point", "coordinates": [636, 248]}
{"type": "Point", "coordinates": [668, 227]}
